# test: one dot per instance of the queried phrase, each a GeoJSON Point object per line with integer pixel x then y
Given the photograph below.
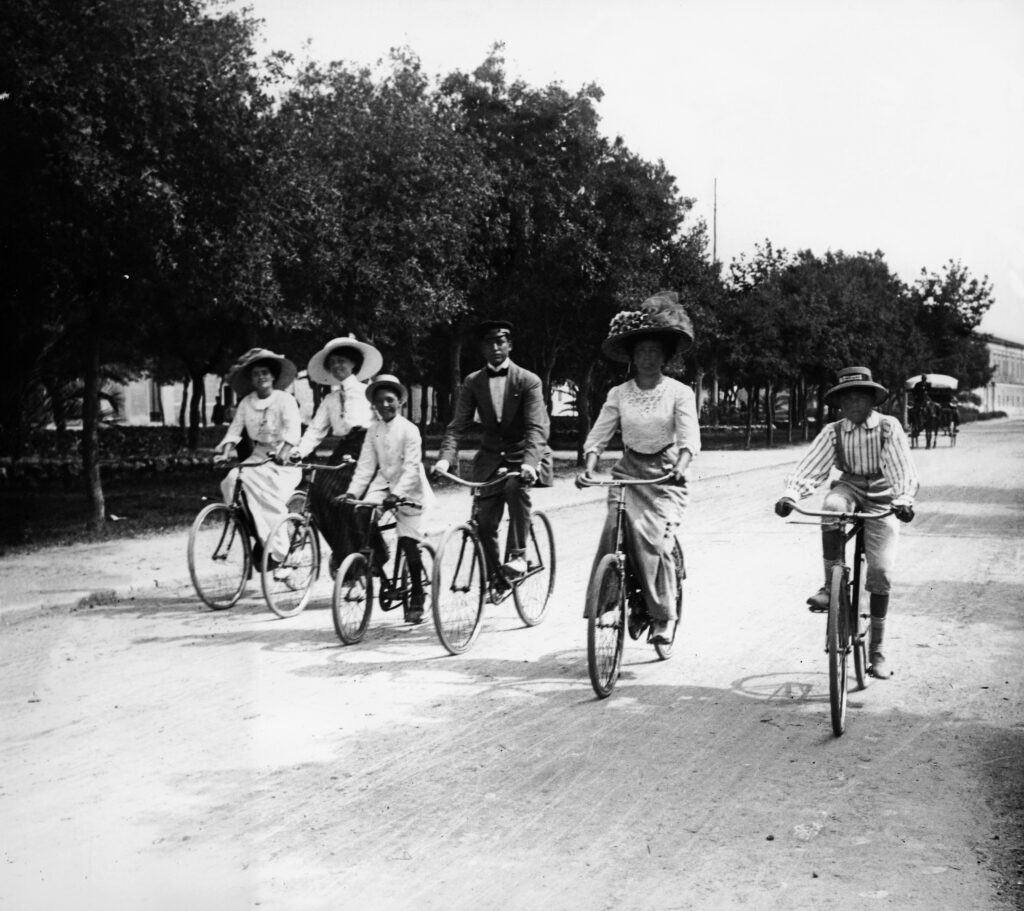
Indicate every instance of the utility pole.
{"type": "Point", "coordinates": [714, 225]}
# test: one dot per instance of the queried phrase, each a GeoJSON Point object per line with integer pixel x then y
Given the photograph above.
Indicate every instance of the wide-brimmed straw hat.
{"type": "Point", "coordinates": [239, 376]}
{"type": "Point", "coordinates": [387, 381]}
{"type": "Point", "coordinates": [856, 378]}
{"type": "Point", "coordinates": [660, 316]}
{"type": "Point", "coordinates": [370, 356]}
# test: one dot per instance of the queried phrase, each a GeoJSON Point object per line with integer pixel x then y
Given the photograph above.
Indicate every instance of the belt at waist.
{"type": "Point", "coordinates": [647, 455]}
{"type": "Point", "coordinates": [866, 478]}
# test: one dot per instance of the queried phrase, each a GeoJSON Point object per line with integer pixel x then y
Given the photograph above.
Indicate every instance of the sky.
{"type": "Point", "coordinates": [853, 125]}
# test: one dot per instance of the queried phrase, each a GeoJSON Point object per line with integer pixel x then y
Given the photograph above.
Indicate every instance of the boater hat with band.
{"type": "Point", "coordinates": [387, 381]}
{"type": "Point", "coordinates": [240, 378]}
{"type": "Point", "coordinates": [370, 356]}
{"type": "Point", "coordinates": [660, 316]}
{"type": "Point", "coordinates": [856, 378]}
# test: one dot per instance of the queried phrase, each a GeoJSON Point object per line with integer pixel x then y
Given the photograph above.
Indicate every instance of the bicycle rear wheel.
{"type": "Point", "coordinates": [665, 650]}
{"type": "Point", "coordinates": [457, 589]}
{"type": "Point", "coordinates": [533, 591]}
{"type": "Point", "coordinates": [606, 625]}
{"type": "Point", "coordinates": [287, 584]}
{"type": "Point", "coordinates": [352, 602]}
{"type": "Point", "coordinates": [860, 627]}
{"type": "Point", "coordinates": [838, 641]}
{"type": "Point", "coordinates": [219, 556]}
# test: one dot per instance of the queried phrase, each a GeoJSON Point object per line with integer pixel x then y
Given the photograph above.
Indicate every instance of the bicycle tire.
{"type": "Point", "coordinates": [457, 589]}
{"type": "Point", "coordinates": [860, 626]}
{"type": "Point", "coordinates": [533, 592]}
{"type": "Point", "coordinates": [297, 502]}
{"type": "Point", "coordinates": [663, 649]}
{"type": "Point", "coordinates": [219, 556]}
{"type": "Point", "coordinates": [288, 584]}
{"type": "Point", "coordinates": [606, 625]}
{"type": "Point", "coordinates": [352, 600]}
{"type": "Point", "coordinates": [838, 642]}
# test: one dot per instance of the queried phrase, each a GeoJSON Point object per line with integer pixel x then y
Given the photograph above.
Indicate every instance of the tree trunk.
{"type": "Point", "coordinates": [183, 412]}
{"type": "Point", "coordinates": [454, 376]}
{"type": "Point", "coordinates": [583, 421]}
{"type": "Point", "coordinates": [698, 383]}
{"type": "Point", "coordinates": [792, 412]}
{"type": "Point", "coordinates": [90, 423]}
{"type": "Point", "coordinates": [769, 414]}
{"type": "Point", "coordinates": [820, 410]}
{"type": "Point", "coordinates": [751, 391]}
{"type": "Point", "coordinates": [714, 396]}
{"type": "Point", "coordinates": [195, 412]}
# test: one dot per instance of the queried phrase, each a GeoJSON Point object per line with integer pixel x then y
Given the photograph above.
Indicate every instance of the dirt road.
{"type": "Point", "coordinates": [157, 755]}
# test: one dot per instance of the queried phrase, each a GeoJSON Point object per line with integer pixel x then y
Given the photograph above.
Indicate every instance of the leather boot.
{"type": "Point", "coordinates": [876, 660]}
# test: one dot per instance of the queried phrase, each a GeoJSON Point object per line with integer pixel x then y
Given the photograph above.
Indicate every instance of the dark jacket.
{"type": "Point", "coordinates": [520, 438]}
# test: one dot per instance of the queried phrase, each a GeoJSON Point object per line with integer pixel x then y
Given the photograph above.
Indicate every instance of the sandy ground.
{"type": "Point", "coordinates": [158, 755]}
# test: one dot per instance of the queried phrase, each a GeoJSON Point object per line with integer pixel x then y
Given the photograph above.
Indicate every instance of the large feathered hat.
{"type": "Point", "coordinates": [660, 316]}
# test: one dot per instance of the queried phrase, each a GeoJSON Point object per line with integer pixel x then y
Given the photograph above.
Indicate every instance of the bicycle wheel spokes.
{"type": "Point", "coordinates": [838, 640]}
{"type": "Point", "coordinates": [457, 589]}
{"type": "Point", "coordinates": [219, 558]}
{"type": "Point", "coordinates": [533, 592]}
{"type": "Point", "coordinates": [606, 625]}
{"type": "Point", "coordinates": [352, 602]}
{"type": "Point", "coordinates": [287, 583]}
{"type": "Point", "coordinates": [860, 630]}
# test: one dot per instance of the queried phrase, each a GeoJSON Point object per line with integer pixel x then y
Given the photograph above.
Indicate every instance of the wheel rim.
{"type": "Point", "coordinates": [606, 623]}
{"type": "Point", "coordinates": [533, 593]}
{"type": "Point", "coordinates": [218, 556]}
{"type": "Point", "coordinates": [287, 585]}
{"type": "Point", "coordinates": [837, 651]}
{"type": "Point", "coordinates": [457, 597]}
{"type": "Point", "coordinates": [352, 601]}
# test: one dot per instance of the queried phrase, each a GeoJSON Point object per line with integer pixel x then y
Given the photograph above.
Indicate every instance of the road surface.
{"type": "Point", "coordinates": [158, 755]}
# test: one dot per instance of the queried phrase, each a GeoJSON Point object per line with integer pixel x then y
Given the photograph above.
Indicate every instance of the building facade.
{"type": "Point", "coordinates": [1005, 391]}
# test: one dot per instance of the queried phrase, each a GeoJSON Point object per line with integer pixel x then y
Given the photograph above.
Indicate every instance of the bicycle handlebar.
{"type": "Point", "coordinates": [477, 484]}
{"type": "Point", "coordinates": [847, 516]}
{"type": "Point", "coordinates": [366, 504]}
{"type": "Point", "coordinates": [584, 481]}
{"type": "Point", "coordinates": [316, 466]}
{"type": "Point", "coordinates": [243, 463]}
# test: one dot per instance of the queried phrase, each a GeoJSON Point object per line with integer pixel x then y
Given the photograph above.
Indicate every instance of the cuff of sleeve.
{"type": "Point", "coordinates": [903, 501]}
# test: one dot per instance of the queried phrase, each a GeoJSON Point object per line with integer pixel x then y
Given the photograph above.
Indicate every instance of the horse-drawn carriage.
{"type": "Point", "coordinates": [931, 408]}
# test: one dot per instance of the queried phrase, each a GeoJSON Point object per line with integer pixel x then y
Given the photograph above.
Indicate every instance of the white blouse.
{"type": "Point", "coordinates": [393, 451]}
{"type": "Point", "coordinates": [339, 413]}
{"type": "Point", "coordinates": [270, 421]}
{"type": "Point", "coordinates": [650, 419]}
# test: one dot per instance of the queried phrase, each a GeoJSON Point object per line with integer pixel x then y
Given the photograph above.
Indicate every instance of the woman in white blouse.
{"type": "Point", "coordinates": [657, 417]}
{"type": "Point", "coordinates": [270, 418]}
{"type": "Point", "coordinates": [344, 414]}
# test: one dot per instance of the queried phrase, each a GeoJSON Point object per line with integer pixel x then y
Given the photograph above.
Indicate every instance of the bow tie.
{"type": "Point", "coordinates": [492, 372]}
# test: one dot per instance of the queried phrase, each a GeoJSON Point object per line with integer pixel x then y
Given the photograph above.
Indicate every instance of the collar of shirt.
{"type": "Point", "coordinates": [869, 423]}
{"type": "Point", "coordinates": [504, 365]}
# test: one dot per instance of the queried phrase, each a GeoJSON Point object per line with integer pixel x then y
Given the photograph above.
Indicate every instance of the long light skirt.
{"type": "Point", "coordinates": [267, 489]}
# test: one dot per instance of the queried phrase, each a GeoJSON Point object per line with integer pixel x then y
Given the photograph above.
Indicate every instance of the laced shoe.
{"type": "Point", "coordinates": [877, 666]}
{"type": "Point", "coordinates": [818, 602]}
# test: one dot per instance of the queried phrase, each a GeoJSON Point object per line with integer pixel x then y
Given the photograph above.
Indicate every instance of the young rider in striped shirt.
{"type": "Point", "coordinates": [872, 453]}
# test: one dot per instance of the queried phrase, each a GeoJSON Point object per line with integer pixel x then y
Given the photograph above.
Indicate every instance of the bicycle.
{"type": "Point", "coordinates": [460, 582]}
{"type": "Point", "coordinates": [848, 628]}
{"type": "Point", "coordinates": [220, 548]}
{"type": "Point", "coordinates": [615, 601]}
{"type": "Point", "coordinates": [352, 601]}
{"type": "Point", "coordinates": [288, 582]}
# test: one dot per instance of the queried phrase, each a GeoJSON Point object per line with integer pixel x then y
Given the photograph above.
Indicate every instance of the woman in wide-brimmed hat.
{"type": "Point", "coordinates": [657, 417]}
{"type": "Point", "coordinates": [344, 414]}
{"type": "Point", "coordinates": [270, 418]}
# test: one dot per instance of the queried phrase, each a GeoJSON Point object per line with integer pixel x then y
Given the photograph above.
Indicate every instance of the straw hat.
{"type": "Point", "coordinates": [660, 316]}
{"type": "Point", "coordinates": [370, 356]}
{"type": "Point", "coordinates": [387, 381]}
{"type": "Point", "coordinates": [239, 375]}
{"type": "Point", "coordinates": [856, 378]}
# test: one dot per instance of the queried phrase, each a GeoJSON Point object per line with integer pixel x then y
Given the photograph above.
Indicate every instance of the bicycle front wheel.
{"type": "Point", "coordinates": [219, 556]}
{"type": "Point", "coordinates": [838, 641]}
{"type": "Point", "coordinates": [457, 589]}
{"type": "Point", "coordinates": [606, 625]}
{"type": "Point", "coordinates": [287, 583]}
{"type": "Point", "coordinates": [533, 591]}
{"type": "Point", "coordinates": [352, 602]}
{"type": "Point", "coordinates": [664, 649]}
{"type": "Point", "coordinates": [860, 628]}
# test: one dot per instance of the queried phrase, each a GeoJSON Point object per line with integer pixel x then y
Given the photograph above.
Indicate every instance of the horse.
{"type": "Point", "coordinates": [923, 416]}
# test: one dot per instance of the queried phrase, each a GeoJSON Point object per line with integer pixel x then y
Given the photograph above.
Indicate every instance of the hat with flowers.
{"type": "Point", "coordinates": [660, 316]}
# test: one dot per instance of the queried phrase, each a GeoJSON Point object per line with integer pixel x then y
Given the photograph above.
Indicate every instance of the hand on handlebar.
{"type": "Point", "coordinates": [528, 475]}
{"type": "Point", "coordinates": [391, 501]}
{"type": "Point", "coordinates": [294, 457]}
{"type": "Point", "coordinates": [440, 466]}
{"type": "Point", "coordinates": [784, 507]}
{"type": "Point", "coordinates": [580, 478]}
{"type": "Point", "coordinates": [904, 512]}
{"type": "Point", "coordinates": [224, 455]}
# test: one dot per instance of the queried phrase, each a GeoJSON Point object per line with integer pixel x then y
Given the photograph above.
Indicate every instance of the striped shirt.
{"type": "Point", "coordinates": [876, 447]}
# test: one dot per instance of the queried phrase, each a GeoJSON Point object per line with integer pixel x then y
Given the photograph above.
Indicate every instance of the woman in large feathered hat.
{"type": "Point", "coordinates": [657, 417]}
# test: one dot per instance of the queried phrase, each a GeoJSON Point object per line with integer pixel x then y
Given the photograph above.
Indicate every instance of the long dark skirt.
{"type": "Point", "coordinates": [342, 527]}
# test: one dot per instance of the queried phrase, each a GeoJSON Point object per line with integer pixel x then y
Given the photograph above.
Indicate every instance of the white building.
{"type": "Point", "coordinates": [1005, 391]}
